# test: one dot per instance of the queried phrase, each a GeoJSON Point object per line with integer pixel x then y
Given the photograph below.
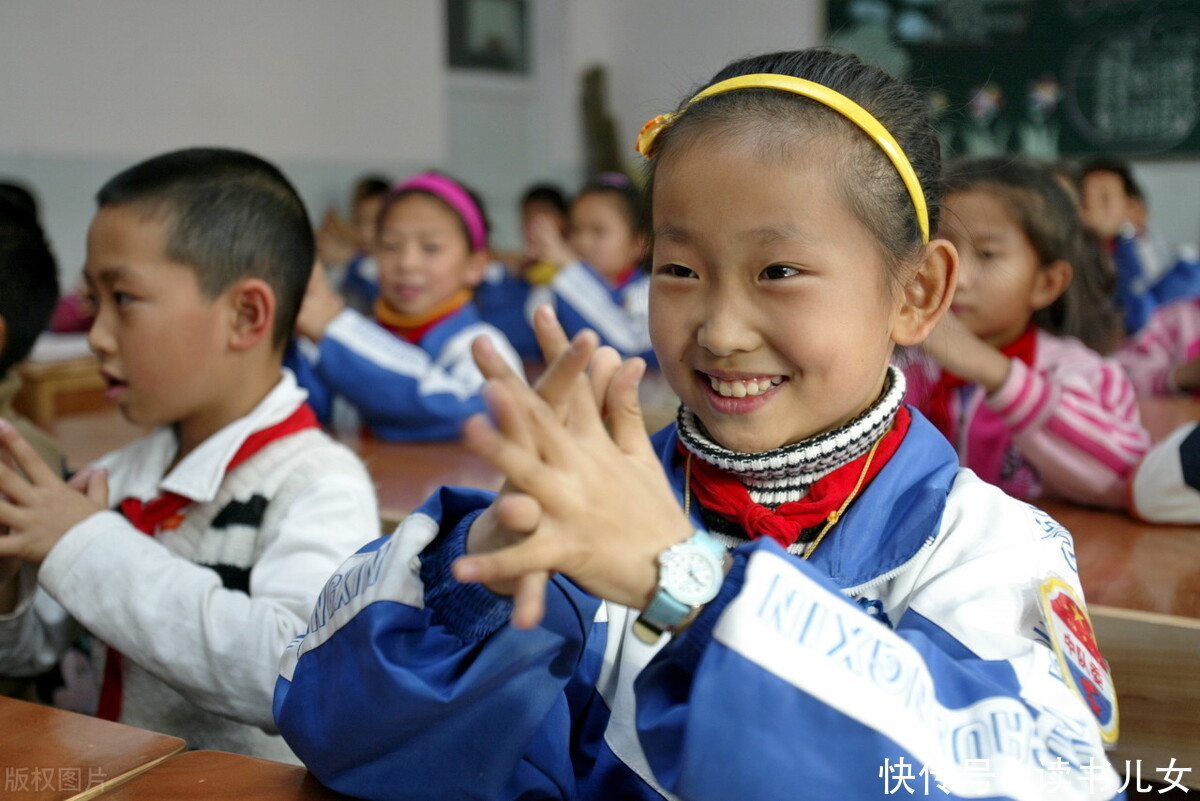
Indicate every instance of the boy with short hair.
{"type": "Point", "coordinates": [197, 260]}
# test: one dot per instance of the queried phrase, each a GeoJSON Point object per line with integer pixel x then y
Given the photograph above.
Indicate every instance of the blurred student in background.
{"type": "Point", "coordinates": [1012, 375]}
{"type": "Point", "coordinates": [405, 372]}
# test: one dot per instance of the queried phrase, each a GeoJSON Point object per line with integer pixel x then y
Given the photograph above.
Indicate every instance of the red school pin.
{"type": "Point", "coordinates": [1074, 641]}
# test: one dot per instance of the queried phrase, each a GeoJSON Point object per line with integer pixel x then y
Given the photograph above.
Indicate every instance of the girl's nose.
{"type": "Point", "coordinates": [727, 328]}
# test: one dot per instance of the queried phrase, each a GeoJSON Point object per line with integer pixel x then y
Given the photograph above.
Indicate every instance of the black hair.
{"type": "Point", "coordinates": [872, 188]}
{"type": "Point", "coordinates": [229, 215]}
{"type": "Point", "coordinates": [618, 185]}
{"type": "Point", "coordinates": [1116, 166]}
{"type": "Point", "coordinates": [393, 196]}
{"type": "Point", "coordinates": [21, 195]}
{"type": "Point", "coordinates": [1048, 217]}
{"type": "Point", "coordinates": [370, 186]}
{"type": "Point", "coordinates": [28, 279]}
{"type": "Point", "coordinates": [549, 194]}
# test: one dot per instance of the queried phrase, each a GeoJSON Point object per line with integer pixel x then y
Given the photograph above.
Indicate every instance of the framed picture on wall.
{"type": "Point", "coordinates": [488, 35]}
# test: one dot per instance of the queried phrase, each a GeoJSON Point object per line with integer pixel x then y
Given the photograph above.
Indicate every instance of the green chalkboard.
{"type": "Point", "coordinates": [1045, 78]}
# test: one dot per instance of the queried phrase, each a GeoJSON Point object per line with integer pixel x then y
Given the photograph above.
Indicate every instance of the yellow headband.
{"type": "Point", "coordinates": [824, 95]}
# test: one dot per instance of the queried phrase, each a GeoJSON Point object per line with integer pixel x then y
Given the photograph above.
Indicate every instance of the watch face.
{"type": "Point", "coordinates": [690, 577]}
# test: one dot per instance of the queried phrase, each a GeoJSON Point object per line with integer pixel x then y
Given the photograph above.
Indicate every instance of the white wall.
{"type": "Point", "coordinates": [330, 89]}
{"type": "Point", "coordinates": [325, 88]}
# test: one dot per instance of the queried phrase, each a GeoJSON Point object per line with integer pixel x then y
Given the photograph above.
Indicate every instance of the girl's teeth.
{"type": "Point", "coordinates": [740, 389]}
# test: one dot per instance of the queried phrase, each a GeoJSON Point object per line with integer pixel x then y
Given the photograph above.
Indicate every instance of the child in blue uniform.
{"type": "Point", "coordinates": [407, 373]}
{"type": "Point", "coordinates": [792, 592]}
{"type": "Point", "coordinates": [592, 277]}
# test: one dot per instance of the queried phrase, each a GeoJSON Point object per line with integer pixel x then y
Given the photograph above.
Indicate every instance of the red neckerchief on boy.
{"type": "Point", "coordinates": [941, 399]}
{"type": "Point", "coordinates": [722, 493]}
{"type": "Point", "coordinates": [412, 327]}
{"type": "Point", "coordinates": [625, 276]}
{"type": "Point", "coordinates": [165, 513]}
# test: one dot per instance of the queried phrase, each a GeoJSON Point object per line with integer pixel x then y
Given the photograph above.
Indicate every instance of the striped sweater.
{"type": "Point", "coordinates": [1169, 340]}
{"type": "Point", "coordinates": [1066, 426]}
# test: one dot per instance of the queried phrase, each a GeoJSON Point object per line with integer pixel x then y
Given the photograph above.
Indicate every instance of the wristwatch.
{"type": "Point", "coordinates": [689, 575]}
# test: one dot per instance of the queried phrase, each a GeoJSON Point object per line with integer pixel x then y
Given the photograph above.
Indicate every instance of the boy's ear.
{"type": "Point", "coordinates": [252, 302]}
{"type": "Point", "coordinates": [1052, 280]}
{"type": "Point", "coordinates": [928, 293]}
{"type": "Point", "coordinates": [477, 267]}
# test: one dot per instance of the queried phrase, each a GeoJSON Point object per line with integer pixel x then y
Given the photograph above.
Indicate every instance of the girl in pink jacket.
{"type": "Point", "coordinates": [1164, 357]}
{"type": "Point", "coordinates": [1012, 376]}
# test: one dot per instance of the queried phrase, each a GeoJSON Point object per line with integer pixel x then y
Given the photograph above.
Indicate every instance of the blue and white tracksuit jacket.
{"type": "Point", "coordinates": [582, 299]}
{"type": "Point", "coordinates": [401, 391]}
{"type": "Point", "coordinates": [913, 637]}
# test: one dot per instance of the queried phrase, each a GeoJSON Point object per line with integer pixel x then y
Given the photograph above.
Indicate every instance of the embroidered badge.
{"type": "Point", "coordinates": [1074, 642]}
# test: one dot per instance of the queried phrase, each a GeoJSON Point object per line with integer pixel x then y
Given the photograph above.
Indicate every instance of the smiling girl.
{"type": "Point", "coordinates": [794, 592]}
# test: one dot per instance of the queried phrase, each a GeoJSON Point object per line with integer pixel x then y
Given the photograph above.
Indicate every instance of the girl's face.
{"type": "Point", "coordinates": [1000, 280]}
{"type": "Point", "coordinates": [770, 310]}
{"type": "Point", "coordinates": [601, 234]}
{"type": "Point", "coordinates": [423, 255]}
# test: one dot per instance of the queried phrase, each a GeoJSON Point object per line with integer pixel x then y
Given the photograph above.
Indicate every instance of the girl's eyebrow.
{"type": "Point", "coordinates": [762, 235]}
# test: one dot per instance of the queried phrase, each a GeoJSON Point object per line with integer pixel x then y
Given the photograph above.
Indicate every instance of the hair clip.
{"type": "Point", "coordinates": [650, 132]}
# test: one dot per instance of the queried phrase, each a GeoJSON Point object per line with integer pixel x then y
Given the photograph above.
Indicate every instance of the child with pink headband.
{"type": "Point", "coordinates": [406, 371]}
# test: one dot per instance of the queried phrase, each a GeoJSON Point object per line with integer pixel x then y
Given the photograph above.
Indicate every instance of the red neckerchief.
{"type": "Point", "coordinates": [625, 276]}
{"type": "Point", "coordinates": [941, 399]}
{"type": "Point", "coordinates": [412, 327]}
{"type": "Point", "coordinates": [165, 513]}
{"type": "Point", "coordinates": [722, 493]}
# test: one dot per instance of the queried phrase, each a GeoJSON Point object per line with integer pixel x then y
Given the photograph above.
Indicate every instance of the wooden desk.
{"type": "Point", "coordinates": [219, 776]}
{"type": "Point", "coordinates": [1162, 414]}
{"type": "Point", "coordinates": [55, 388]}
{"type": "Point", "coordinates": [47, 753]}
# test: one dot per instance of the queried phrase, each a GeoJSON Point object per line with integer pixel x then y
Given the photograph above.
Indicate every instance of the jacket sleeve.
{"type": "Point", "coordinates": [1166, 486]}
{"type": "Point", "coordinates": [410, 685]}
{"type": "Point", "coordinates": [401, 392]}
{"type": "Point", "coordinates": [1169, 340]}
{"type": "Point", "coordinates": [218, 647]}
{"type": "Point", "coordinates": [583, 300]}
{"type": "Point", "coordinates": [34, 635]}
{"type": "Point", "coordinates": [1078, 424]}
{"type": "Point", "coordinates": [794, 685]}
{"type": "Point", "coordinates": [320, 396]}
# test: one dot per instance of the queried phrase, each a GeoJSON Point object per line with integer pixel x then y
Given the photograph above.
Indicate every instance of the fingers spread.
{"type": "Point", "coordinates": [27, 458]}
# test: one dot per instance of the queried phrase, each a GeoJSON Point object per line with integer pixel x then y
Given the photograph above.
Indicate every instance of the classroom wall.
{"type": "Point", "coordinates": [325, 88]}
{"type": "Point", "coordinates": [330, 89]}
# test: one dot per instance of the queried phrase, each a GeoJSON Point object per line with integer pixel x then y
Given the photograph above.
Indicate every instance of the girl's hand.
{"type": "Point", "coordinates": [321, 304]}
{"type": "Point", "coordinates": [606, 507]}
{"type": "Point", "coordinates": [578, 367]}
{"type": "Point", "coordinates": [953, 346]}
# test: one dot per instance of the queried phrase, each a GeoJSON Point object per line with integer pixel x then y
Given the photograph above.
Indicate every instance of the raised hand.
{"type": "Point", "coordinates": [321, 304]}
{"type": "Point", "coordinates": [606, 509]}
{"type": "Point", "coordinates": [39, 507]}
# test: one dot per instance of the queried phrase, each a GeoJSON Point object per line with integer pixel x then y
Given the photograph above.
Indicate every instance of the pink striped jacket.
{"type": "Point", "coordinates": [1068, 426]}
{"type": "Point", "coordinates": [1171, 338]}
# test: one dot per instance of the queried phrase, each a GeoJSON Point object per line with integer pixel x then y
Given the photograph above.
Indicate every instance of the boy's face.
{"type": "Point", "coordinates": [770, 310]}
{"type": "Point", "coordinates": [159, 340]}
{"type": "Point", "coordinates": [423, 255]}
{"type": "Point", "coordinates": [1104, 206]}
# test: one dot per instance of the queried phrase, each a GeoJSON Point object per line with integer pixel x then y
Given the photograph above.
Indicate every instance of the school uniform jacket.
{"type": "Point", "coordinates": [1067, 425]}
{"type": "Point", "coordinates": [583, 299]}
{"type": "Point", "coordinates": [401, 391]}
{"type": "Point", "coordinates": [1171, 339]}
{"type": "Point", "coordinates": [914, 633]}
{"type": "Point", "coordinates": [201, 612]}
